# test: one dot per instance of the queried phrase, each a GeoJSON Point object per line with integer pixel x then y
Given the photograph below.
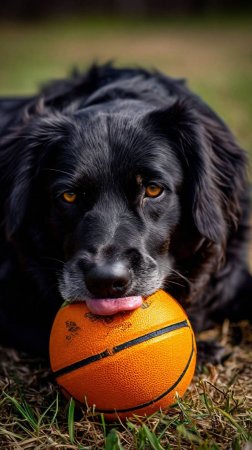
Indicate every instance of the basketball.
{"type": "Point", "coordinates": [130, 363]}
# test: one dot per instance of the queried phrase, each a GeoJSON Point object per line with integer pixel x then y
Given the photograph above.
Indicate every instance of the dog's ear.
{"type": "Point", "coordinates": [23, 151]}
{"type": "Point", "coordinates": [20, 170]}
{"type": "Point", "coordinates": [214, 166]}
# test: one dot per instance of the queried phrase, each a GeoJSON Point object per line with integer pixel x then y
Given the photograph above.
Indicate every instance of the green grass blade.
{"type": "Point", "coordinates": [241, 430]}
{"type": "Point", "coordinates": [56, 409]}
{"type": "Point", "coordinates": [141, 438]}
{"type": "Point", "coordinates": [25, 411]}
{"type": "Point", "coordinates": [236, 444]}
{"type": "Point", "coordinates": [70, 420]}
{"type": "Point", "coordinates": [113, 441]}
{"type": "Point", "coordinates": [103, 424]}
{"type": "Point", "coordinates": [152, 438]}
{"type": "Point", "coordinates": [189, 435]}
{"type": "Point", "coordinates": [55, 401]}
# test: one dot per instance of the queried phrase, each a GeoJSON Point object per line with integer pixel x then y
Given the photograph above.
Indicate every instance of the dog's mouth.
{"type": "Point", "coordinates": [110, 306]}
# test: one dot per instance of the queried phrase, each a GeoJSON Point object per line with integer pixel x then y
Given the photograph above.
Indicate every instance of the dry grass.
{"type": "Point", "coordinates": [216, 412]}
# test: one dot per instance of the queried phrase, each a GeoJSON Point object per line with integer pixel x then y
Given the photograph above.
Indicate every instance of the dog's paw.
{"type": "Point", "coordinates": [211, 352]}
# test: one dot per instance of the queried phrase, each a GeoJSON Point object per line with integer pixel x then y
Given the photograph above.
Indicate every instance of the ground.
{"type": "Point", "coordinates": [214, 54]}
{"type": "Point", "coordinates": [216, 412]}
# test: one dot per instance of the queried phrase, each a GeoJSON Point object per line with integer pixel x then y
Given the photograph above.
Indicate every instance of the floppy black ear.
{"type": "Point", "coordinates": [213, 166]}
{"type": "Point", "coordinates": [20, 186]}
{"type": "Point", "coordinates": [22, 153]}
{"type": "Point", "coordinates": [229, 165]}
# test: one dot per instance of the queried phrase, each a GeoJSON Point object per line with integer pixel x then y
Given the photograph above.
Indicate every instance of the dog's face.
{"type": "Point", "coordinates": [113, 185]}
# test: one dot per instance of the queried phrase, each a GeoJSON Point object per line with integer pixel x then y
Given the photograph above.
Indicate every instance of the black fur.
{"type": "Point", "coordinates": [106, 135]}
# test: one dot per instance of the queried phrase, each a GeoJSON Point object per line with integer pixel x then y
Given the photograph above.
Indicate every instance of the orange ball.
{"type": "Point", "coordinates": [130, 363]}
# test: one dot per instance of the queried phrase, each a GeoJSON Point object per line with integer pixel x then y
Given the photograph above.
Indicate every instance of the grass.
{"type": "Point", "coordinates": [215, 55]}
{"type": "Point", "coordinates": [215, 414]}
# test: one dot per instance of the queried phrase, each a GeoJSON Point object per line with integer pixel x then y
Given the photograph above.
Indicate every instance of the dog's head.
{"type": "Point", "coordinates": [128, 195]}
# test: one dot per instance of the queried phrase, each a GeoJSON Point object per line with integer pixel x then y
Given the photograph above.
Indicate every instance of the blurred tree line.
{"type": "Point", "coordinates": [32, 9]}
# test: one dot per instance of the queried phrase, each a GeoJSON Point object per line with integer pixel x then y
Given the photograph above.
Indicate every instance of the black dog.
{"type": "Point", "coordinates": [113, 185]}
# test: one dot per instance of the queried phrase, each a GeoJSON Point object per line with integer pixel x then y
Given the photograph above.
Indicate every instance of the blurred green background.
{"type": "Point", "coordinates": [213, 50]}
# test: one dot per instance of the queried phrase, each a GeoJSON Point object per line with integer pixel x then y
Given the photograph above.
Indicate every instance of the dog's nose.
{"type": "Point", "coordinates": [109, 280]}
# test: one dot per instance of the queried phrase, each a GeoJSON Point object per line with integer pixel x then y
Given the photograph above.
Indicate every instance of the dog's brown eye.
{"type": "Point", "coordinates": [153, 190]}
{"type": "Point", "coordinates": [69, 197]}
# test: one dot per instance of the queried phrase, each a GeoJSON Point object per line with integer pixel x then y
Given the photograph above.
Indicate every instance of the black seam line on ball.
{"type": "Point", "coordinates": [119, 348]}
{"type": "Point", "coordinates": [154, 400]}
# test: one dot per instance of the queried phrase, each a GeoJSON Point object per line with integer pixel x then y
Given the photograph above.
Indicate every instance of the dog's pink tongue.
{"type": "Point", "coordinates": [109, 306]}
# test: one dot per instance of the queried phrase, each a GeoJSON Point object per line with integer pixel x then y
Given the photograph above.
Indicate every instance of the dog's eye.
{"type": "Point", "coordinates": [153, 190]}
{"type": "Point", "coordinates": [69, 197]}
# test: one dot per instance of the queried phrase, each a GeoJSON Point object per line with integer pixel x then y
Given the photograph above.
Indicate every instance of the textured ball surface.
{"type": "Point", "coordinates": [130, 363]}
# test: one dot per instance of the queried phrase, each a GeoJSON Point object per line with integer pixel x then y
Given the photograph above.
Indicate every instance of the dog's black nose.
{"type": "Point", "coordinates": [109, 280]}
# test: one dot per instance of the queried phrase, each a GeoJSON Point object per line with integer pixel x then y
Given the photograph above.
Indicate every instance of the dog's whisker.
{"type": "Point", "coordinates": [180, 275]}
{"type": "Point", "coordinates": [167, 283]}
{"type": "Point", "coordinates": [58, 171]}
{"type": "Point", "coordinates": [50, 258]}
